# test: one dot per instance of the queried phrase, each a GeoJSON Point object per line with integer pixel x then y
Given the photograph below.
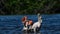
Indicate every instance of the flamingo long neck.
{"type": "Point", "coordinates": [39, 18]}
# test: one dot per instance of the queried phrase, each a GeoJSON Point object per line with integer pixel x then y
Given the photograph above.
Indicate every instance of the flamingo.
{"type": "Point", "coordinates": [37, 24]}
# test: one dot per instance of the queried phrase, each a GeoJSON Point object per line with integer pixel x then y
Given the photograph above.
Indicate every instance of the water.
{"type": "Point", "coordinates": [13, 25]}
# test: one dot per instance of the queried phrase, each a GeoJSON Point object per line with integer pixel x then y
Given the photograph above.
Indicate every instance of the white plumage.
{"type": "Point", "coordinates": [37, 24]}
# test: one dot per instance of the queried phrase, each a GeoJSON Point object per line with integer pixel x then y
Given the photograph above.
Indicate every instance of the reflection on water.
{"type": "Point", "coordinates": [32, 33]}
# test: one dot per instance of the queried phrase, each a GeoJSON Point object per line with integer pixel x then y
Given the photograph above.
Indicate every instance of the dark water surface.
{"type": "Point", "coordinates": [13, 25]}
